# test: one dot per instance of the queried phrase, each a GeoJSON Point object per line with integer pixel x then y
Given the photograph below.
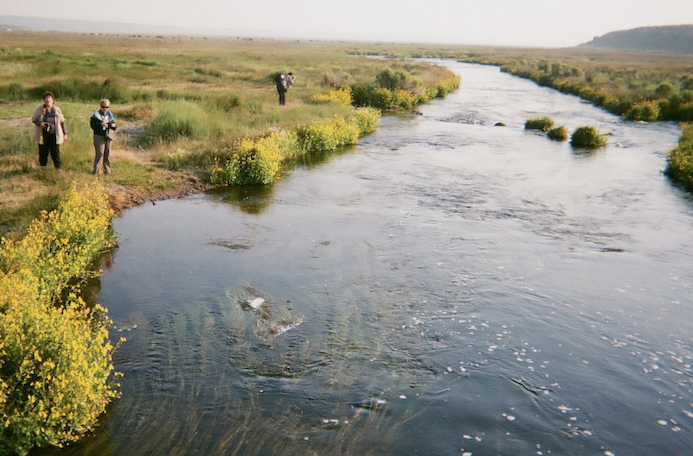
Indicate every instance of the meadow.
{"type": "Point", "coordinates": [184, 105]}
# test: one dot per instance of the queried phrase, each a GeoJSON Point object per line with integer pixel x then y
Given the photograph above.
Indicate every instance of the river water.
{"type": "Point", "coordinates": [448, 287]}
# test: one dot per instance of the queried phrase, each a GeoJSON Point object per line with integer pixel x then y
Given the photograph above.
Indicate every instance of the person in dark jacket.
{"type": "Point", "coordinates": [284, 81]}
{"type": "Point", "coordinates": [50, 130]}
{"type": "Point", "coordinates": [282, 85]}
{"type": "Point", "coordinates": [103, 124]}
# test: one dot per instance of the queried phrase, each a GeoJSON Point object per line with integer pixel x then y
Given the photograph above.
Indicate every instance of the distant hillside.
{"type": "Point", "coordinates": [673, 38]}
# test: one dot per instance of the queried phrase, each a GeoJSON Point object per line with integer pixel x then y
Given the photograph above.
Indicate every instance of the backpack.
{"type": "Point", "coordinates": [281, 79]}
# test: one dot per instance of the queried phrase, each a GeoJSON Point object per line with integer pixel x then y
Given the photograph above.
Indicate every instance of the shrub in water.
{"type": "Point", "coordinates": [539, 123]}
{"type": "Point", "coordinates": [558, 133]}
{"type": "Point", "coordinates": [588, 138]}
{"type": "Point", "coordinates": [647, 110]}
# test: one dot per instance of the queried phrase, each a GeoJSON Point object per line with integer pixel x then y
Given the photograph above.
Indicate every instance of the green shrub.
{"type": "Point", "coordinates": [396, 79]}
{"type": "Point", "coordinates": [55, 360]}
{"type": "Point", "coordinates": [13, 91]}
{"type": "Point", "coordinates": [588, 138]}
{"type": "Point", "coordinates": [176, 120]}
{"type": "Point", "coordinates": [680, 160]}
{"type": "Point", "coordinates": [228, 102]}
{"type": "Point", "coordinates": [539, 123]}
{"type": "Point", "coordinates": [558, 133]}
{"type": "Point", "coordinates": [376, 97]}
{"type": "Point", "coordinates": [84, 90]}
{"type": "Point", "coordinates": [647, 110]}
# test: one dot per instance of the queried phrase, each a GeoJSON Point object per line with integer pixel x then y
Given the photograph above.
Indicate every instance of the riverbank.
{"type": "Point", "coordinates": [183, 107]}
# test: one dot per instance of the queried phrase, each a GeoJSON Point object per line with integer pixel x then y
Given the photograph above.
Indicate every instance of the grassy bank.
{"type": "Point", "coordinates": [184, 105]}
{"type": "Point", "coordinates": [680, 162]}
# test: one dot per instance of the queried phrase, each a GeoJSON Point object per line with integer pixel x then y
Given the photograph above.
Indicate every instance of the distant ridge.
{"type": "Point", "coordinates": [671, 38]}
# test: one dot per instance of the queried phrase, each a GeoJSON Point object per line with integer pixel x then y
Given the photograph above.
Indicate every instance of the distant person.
{"type": "Point", "coordinates": [103, 124]}
{"type": "Point", "coordinates": [50, 131]}
{"type": "Point", "coordinates": [284, 81]}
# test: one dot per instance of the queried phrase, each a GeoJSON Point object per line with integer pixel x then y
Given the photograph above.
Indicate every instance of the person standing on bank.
{"type": "Point", "coordinates": [103, 124]}
{"type": "Point", "coordinates": [50, 131]}
{"type": "Point", "coordinates": [284, 81]}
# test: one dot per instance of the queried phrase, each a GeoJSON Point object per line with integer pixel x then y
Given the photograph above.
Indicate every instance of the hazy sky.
{"type": "Point", "coordinates": [541, 23]}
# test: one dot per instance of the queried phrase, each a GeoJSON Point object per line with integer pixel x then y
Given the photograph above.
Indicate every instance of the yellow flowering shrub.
{"type": "Point", "coordinates": [60, 246]}
{"type": "Point", "coordinates": [258, 160]}
{"type": "Point", "coordinates": [328, 134]}
{"type": "Point", "coordinates": [339, 96]}
{"type": "Point", "coordinates": [366, 119]}
{"type": "Point", "coordinates": [56, 371]}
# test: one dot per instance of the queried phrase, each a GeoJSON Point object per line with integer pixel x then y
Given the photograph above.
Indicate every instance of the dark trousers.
{"type": "Point", "coordinates": [282, 95]}
{"type": "Point", "coordinates": [49, 146]}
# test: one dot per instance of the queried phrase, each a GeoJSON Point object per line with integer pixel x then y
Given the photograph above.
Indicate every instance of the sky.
{"type": "Point", "coordinates": [536, 23]}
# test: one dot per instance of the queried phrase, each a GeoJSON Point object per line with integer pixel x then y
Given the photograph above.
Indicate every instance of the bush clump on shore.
{"type": "Point", "coordinates": [680, 161]}
{"type": "Point", "coordinates": [648, 111]}
{"type": "Point", "coordinates": [258, 160]}
{"type": "Point", "coordinates": [588, 138]}
{"type": "Point", "coordinates": [539, 123]}
{"type": "Point", "coordinates": [56, 371]}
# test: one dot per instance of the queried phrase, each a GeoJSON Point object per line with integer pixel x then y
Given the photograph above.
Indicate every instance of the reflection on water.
{"type": "Point", "coordinates": [448, 287]}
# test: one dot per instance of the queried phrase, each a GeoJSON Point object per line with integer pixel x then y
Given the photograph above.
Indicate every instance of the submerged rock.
{"type": "Point", "coordinates": [253, 303]}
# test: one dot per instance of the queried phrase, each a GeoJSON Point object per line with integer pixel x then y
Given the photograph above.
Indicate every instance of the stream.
{"type": "Point", "coordinates": [447, 287]}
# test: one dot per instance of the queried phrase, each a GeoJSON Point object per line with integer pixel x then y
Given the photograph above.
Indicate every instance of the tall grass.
{"type": "Point", "coordinates": [180, 119]}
